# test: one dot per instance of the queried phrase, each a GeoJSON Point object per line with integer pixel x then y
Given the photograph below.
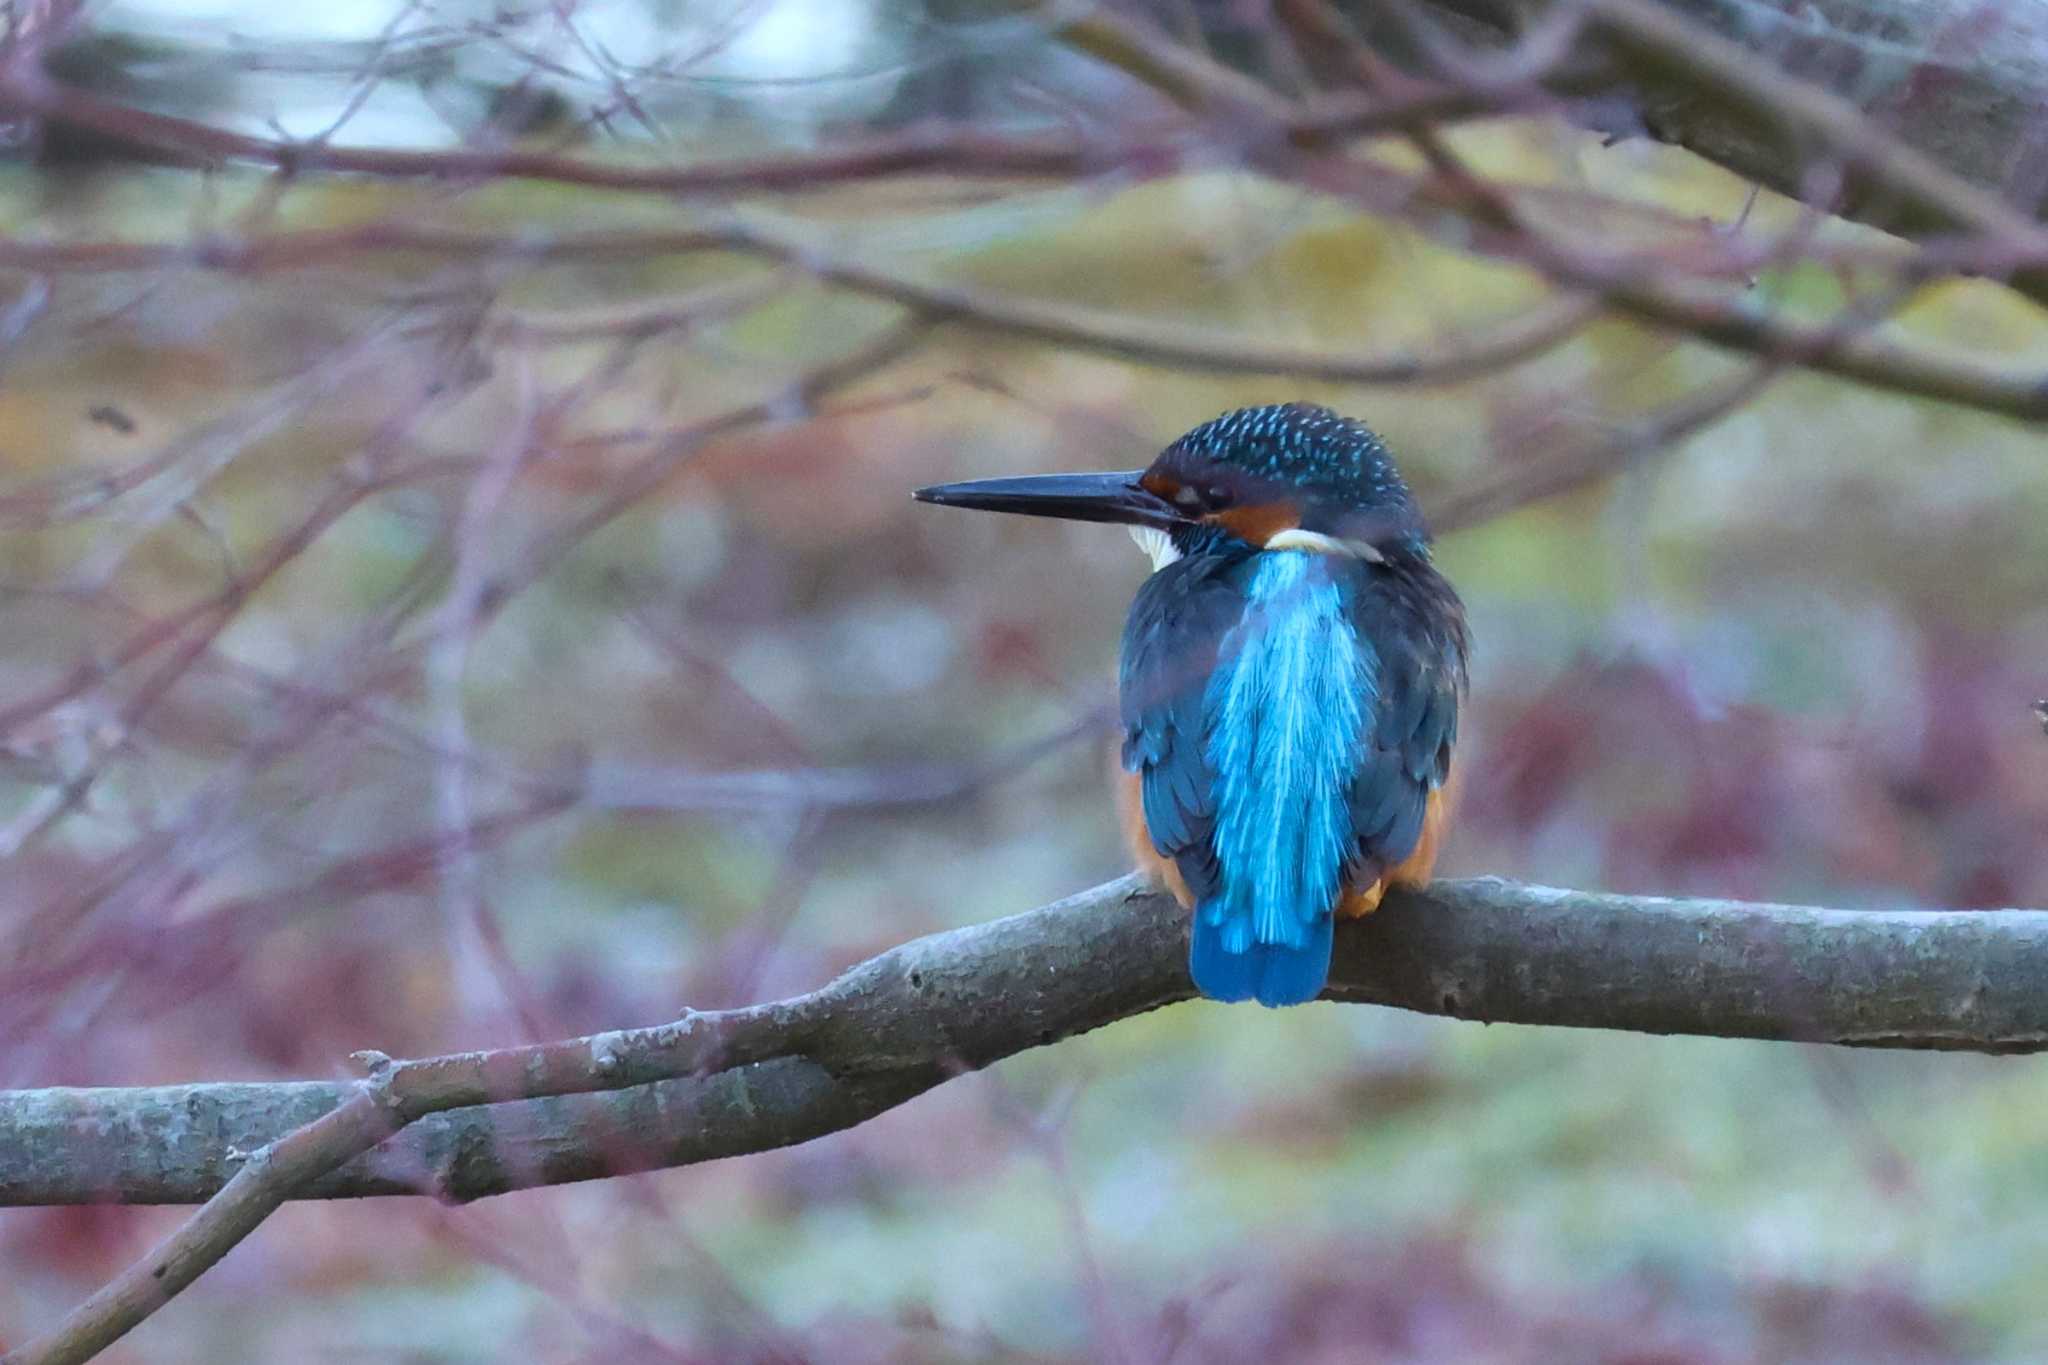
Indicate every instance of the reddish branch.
{"type": "Point", "coordinates": [944, 150]}
{"type": "Point", "coordinates": [1715, 314]}
{"type": "Point", "coordinates": [1291, 139]}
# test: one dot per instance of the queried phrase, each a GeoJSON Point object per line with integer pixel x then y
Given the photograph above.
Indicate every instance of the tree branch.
{"type": "Point", "coordinates": [904, 1021]}
{"type": "Point", "coordinates": [1721, 319]}
{"type": "Point", "coordinates": [1959, 82]}
{"type": "Point", "coordinates": [964, 152]}
{"type": "Point", "coordinates": [1925, 105]}
{"type": "Point", "coordinates": [734, 1081]}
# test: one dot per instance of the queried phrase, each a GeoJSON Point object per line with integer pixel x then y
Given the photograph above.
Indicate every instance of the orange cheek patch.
{"type": "Point", "coordinates": [1255, 525]}
{"type": "Point", "coordinates": [1158, 485]}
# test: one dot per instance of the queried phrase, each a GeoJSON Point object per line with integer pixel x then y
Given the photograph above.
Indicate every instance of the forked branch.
{"type": "Point", "coordinates": [736, 1081]}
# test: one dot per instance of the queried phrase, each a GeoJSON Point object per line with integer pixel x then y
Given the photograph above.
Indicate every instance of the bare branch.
{"type": "Point", "coordinates": [1882, 173]}
{"type": "Point", "coordinates": [736, 1081]}
{"type": "Point", "coordinates": [744, 1080]}
{"type": "Point", "coordinates": [1922, 128]}
{"type": "Point", "coordinates": [904, 1021]}
{"type": "Point", "coordinates": [1962, 107]}
{"type": "Point", "coordinates": [962, 152]}
{"type": "Point", "coordinates": [1720, 318]}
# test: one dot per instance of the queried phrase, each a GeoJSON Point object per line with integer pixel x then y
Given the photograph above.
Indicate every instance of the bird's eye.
{"type": "Point", "coordinates": [1216, 495]}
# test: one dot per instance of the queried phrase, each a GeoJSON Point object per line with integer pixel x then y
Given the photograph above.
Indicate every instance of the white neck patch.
{"type": "Point", "coordinates": [1157, 545]}
{"type": "Point", "coordinates": [1160, 549]}
{"type": "Point", "coordinates": [1317, 543]}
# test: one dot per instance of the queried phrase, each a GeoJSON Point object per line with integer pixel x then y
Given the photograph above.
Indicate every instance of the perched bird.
{"type": "Point", "coordinates": [1289, 686]}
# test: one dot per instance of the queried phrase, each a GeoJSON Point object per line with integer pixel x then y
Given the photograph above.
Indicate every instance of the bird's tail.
{"type": "Point", "coordinates": [1227, 965]}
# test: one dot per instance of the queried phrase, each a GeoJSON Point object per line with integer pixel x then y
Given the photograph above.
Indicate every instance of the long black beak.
{"type": "Point", "coordinates": [1076, 497]}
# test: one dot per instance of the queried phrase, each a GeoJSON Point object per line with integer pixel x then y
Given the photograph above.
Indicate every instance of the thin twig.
{"type": "Point", "coordinates": [944, 150]}
{"type": "Point", "coordinates": [1721, 318]}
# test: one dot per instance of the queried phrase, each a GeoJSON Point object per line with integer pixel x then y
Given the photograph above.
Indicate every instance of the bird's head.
{"type": "Point", "coordinates": [1292, 476]}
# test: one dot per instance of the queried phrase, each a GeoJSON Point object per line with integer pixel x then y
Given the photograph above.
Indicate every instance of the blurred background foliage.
{"type": "Point", "coordinates": [1790, 657]}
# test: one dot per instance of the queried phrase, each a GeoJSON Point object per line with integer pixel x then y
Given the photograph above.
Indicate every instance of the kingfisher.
{"type": "Point", "coordinates": [1289, 683]}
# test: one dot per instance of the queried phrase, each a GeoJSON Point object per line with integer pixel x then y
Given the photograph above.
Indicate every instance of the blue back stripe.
{"type": "Point", "coordinates": [1285, 713]}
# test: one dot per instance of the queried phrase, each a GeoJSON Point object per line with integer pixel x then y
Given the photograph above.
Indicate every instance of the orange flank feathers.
{"type": "Point", "coordinates": [1130, 812]}
{"type": "Point", "coordinates": [1414, 870]}
{"type": "Point", "coordinates": [1356, 903]}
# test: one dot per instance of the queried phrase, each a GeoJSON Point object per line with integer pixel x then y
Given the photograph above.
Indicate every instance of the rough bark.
{"type": "Point", "coordinates": [1962, 82]}
{"type": "Point", "coordinates": [907, 1020]}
